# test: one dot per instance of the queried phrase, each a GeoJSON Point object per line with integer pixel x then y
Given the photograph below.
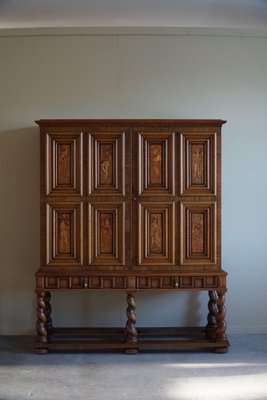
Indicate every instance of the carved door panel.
{"type": "Point", "coordinates": [64, 234]}
{"type": "Point", "coordinates": [198, 233]}
{"type": "Point", "coordinates": [106, 235]}
{"type": "Point", "coordinates": [198, 163]}
{"type": "Point", "coordinates": [155, 163]}
{"type": "Point", "coordinates": [156, 233]}
{"type": "Point", "coordinates": [106, 163]}
{"type": "Point", "coordinates": [64, 167]}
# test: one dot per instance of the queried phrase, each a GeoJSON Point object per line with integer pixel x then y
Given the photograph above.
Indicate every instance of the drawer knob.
{"type": "Point", "coordinates": [176, 282]}
{"type": "Point", "coordinates": [85, 282]}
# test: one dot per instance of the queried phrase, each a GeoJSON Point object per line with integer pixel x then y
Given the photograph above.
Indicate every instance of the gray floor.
{"type": "Point", "coordinates": [240, 374]}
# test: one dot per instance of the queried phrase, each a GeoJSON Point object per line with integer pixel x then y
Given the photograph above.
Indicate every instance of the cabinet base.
{"type": "Point", "coordinates": [94, 339]}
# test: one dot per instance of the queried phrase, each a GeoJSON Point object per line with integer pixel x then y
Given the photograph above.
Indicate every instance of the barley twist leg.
{"type": "Point", "coordinates": [212, 320]}
{"type": "Point", "coordinates": [131, 332]}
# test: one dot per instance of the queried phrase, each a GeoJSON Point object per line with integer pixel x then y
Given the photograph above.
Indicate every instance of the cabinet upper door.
{"type": "Point", "coordinates": [176, 204]}
{"type": "Point", "coordinates": [108, 198]}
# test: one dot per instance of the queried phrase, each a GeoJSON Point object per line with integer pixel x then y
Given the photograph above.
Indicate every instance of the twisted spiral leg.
{"type": "Point", "coordinates": [221, 325]}
{"type": "Point", "coordinates": [131, 332]}
{"type": "Point", "coordinates": [47, 311]}
{"type": "Point", "coordinates": [212, 320]}
{"type": "Point", "coordinates": [41, 318]}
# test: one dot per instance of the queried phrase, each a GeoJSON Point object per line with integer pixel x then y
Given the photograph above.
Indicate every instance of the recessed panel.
{"type": "Point", "coordinates": [106, 163]}
{"type": "Point", "coordinates": [64, 234]}
{"type": "Point", "coordinates": [155, 163]}
{"type": "Point", "coordinates": [106, 234]}
{"type": "Point", "coordinates": [64, 164]}
{"type": "Point", "coordinates": [198, 164]}
{"type": "Point", "coordinates": [156, 234]}
{"type": "Point", "coordinates": [198, 233]}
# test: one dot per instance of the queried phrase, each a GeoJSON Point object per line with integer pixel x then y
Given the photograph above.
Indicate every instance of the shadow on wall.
{"type": "Point", "coordinates": [19, 213]}
{"type": "Point", "coordinates": [19, 201]}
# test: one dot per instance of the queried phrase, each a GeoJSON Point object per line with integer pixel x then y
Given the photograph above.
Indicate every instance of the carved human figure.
{"type": "Point", "coordinates": [155, 164]}
{"type": "Point", "coordinates": [64, 164]}
{"type": "Point", "coordinates": [106, 163]}
{"type": "Point", "coordinates": [155, 234]}
{"type": "Point", "coordinates": [197, 233]}
{"type": "Point", "coordinates": [106, 234]}
{"type": "Point", "coordinates": [197, 160]}
{"type": "Point", "coordinates": [64, 233]}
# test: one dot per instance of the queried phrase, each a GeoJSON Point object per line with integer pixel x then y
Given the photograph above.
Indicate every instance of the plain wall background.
{"type": "Point", "coordinates": [135, 74]}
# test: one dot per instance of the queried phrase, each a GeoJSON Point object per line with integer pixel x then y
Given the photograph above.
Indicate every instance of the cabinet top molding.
{"type": "Point", "coordinates": [143, 122]}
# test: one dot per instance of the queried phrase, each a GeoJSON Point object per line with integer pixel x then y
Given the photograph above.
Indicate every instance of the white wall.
{"type": "Point", "coordinates": [112, 74]}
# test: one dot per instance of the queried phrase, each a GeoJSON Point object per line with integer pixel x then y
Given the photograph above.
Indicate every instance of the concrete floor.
{"type": "Point", "coordinates": [240, 374]}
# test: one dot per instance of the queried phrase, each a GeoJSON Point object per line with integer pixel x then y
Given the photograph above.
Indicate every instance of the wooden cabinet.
{"type": "Point", "coordinates": [131, 205]}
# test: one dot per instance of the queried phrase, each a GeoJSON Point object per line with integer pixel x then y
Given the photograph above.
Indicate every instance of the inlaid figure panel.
{"type": "Point", "coordinates": [155, 163]}
{"type": "Point", "coordinates": [106, 163]}
{"type": "Point", "coordinates": [64, 163]}
{"type": "Point", "coordinates": [198, 233]}
{"type": "Point", "coordinates": [156, 233]}
{"type": "Point", "coordinates": [198, 164]}
{"type": "Point", "coordinates": [106, 233]}
{"type": "Point", "coordinates": [64, 234]}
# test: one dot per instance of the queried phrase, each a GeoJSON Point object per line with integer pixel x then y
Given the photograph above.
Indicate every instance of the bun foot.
{"type": "Point", "coordinates": [221, 350]}
{"type": "Point", "coordinates": [40, 351]}
{"type": "Point", "coordinates": [131, 351]}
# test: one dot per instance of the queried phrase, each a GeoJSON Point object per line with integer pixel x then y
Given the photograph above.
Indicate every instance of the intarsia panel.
{"type": "Point", "coordinates": [64, 163]}
{"type": "Point", "coordinates": [198, 164]}
{"type": "Point", "coordinates": [106, 233]}
{"type": "Point", "coordinates": [156, 233]}
{"type": "Point", "coordinates": [106, 163]}
{"type": "Point", "coordinates": [198, 233]}
{"type": "Point", "coordinates": [155, 163]}
{"type": "Point", "coordinates": [64, 234]}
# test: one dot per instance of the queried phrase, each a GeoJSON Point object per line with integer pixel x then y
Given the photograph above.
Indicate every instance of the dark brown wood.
{"type": "Point", "coordinates": [212, 321]}
{"type": "Point", "coordinates": [47, 311]}
{"type": "Point", "coordinates": [131, 332]}
{"type": "Point", "coordinates": [131, 205]}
